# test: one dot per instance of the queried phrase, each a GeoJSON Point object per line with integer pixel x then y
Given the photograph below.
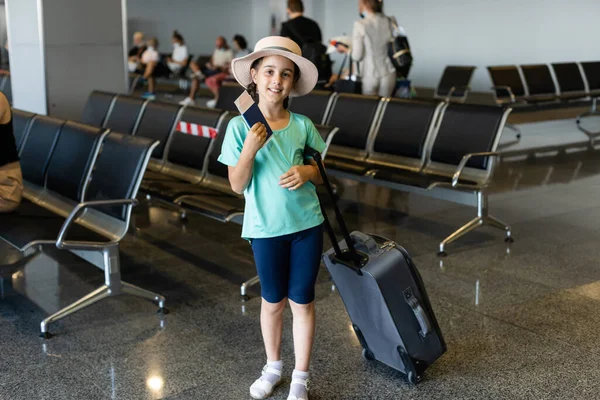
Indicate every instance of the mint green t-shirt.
{"type": "Point", "coordinates": [270, 209]}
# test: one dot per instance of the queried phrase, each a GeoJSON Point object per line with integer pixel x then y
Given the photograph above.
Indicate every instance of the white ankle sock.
{"type": "Point", "coordinates": [297, 389]}
{"type": "Point", "coordinates": [258, 390]}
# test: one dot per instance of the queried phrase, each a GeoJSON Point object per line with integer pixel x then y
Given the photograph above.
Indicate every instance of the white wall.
{"type": "Point", "coordinates": [199, 21]}
{"type": "Point", "coordinates": [25, 41]}
{"type": "Point", "coordinates": [467, 32]}
{"type": "Point", "coordinates": [483, 32]}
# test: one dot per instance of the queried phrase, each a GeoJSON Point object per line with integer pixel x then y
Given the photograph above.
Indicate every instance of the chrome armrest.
{"type": "Point", "coordinates": [454, 89]}
{"type": "Point", "coordinates": [79, 208]}
{"type": "Point", "coordinates": [513, 99]}
{"type": "Point", "coordinates": [464, 161]}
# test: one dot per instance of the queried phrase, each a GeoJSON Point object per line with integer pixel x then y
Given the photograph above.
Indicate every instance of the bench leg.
{"type": "Point", "coordinates": [113, 286]}
{"type": "Point", "coordinates": [593, 111]}
{"type": "Point", "coordinates": [94, 297]}
{"type": "Point", "coordinates": [483, 217]}
{"type": "Point", "coordinates": [243, 289]}
{"type": "Point", "coordinates": [145, 294]}
{"type": "Point", "coordinates": [466, 228]}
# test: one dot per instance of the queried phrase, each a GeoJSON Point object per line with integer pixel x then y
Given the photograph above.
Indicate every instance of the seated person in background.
{"type": "Point", "coordinates": [155, 67]}
{"type": "Point", "coordinates": [136, 51]}
{"type": "Point", "coordinates": [219, 62]}
{"type": "Point", "coordinates": [11, 179]}
{"type": "Point", "coordinates": [150, 60]}
{"type": "Point", "coordinates": [179, 57]}
{"type": "Point", "coordinates": [214, 82]}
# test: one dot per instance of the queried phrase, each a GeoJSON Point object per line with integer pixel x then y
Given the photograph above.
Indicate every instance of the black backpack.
{"type": "Point", "coordinates": [317, 53]}
{"type": "Point", "coordinates": [399, 52]}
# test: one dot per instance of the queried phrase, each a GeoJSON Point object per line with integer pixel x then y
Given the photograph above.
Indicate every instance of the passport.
{"type": "Point", "coordinates": [251, 113]}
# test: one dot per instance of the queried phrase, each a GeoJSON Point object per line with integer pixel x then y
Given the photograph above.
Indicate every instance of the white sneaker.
{"type": "Point", "coordinates": [211, 103]}
{"type": "Point", "coordinates": [188, 101]}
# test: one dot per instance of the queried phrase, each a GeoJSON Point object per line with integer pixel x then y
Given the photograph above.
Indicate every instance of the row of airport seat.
{"type": "Point", "coordinates": [439, 149]}
{"type": "Point", "coordinates": [434, 148]}
{"type": "Point", "coordinates": [183, 174]}
{"type": "Point", "coordinates": [81, 183]}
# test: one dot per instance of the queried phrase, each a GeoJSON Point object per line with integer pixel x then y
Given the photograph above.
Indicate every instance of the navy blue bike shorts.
{"type": "Point", "coordinates": [288, 265]}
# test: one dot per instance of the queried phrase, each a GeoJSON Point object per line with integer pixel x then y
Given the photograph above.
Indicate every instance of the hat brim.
{"type": "Point", "coordinates": [240, 67]}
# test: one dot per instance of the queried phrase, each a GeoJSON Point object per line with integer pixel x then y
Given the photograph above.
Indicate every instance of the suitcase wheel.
{"type": "Point", "coordinates": [367, 355]}
{"type": "Point", "coordinates": [412, 378]}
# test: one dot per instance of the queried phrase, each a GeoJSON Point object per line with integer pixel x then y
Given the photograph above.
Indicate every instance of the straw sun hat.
{"type": "Point", "coordinates": [277, 46]}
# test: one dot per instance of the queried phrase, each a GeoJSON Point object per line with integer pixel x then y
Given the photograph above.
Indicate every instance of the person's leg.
{"type": "Point", "coordinates": [305, 260]}
{"type": "Point", "coordinates": [213, 84]}
{"type": "Point", "coordinates": [370, 85]}
{"type": "Point", "coordinates": [387, 84]}
{"type": "Point", "coordinates": [194, 88]}
{"type": "Point", "coordinates": [149, 75]}
{"type": "Point", "coordinates": [271, 256]}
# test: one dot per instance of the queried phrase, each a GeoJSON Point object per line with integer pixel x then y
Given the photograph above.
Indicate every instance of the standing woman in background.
{"type": "Point", "coordinates": [11, 179]}
{"type": "Point", "coordinates": [370, 38]}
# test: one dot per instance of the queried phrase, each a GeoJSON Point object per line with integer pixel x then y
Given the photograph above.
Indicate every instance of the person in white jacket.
{"type": "Point", "coordinates": [370, 38]}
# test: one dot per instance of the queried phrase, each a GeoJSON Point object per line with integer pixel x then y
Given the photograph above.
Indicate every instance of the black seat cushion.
{"type": "Point", "coordinates": [456, 76]}
{"type": "Point", "coordinates": [539, 80]}
{"type": "Point", "coordinates": [118, 170]}
{"type": "Point", "coordinates": [154, 176]}
{"type": "Point", "coordinates": [72, 159]}
{"type": "Point", "coordinates": [592, 74]}
{"type": "Point", "coordinates": [38, 148]}
{"type": "Point", "coordinates": [157, 124]}
{"type": "Point", "coordinates": [312, 105]}
{"type": "Point", "coordinates": [124, 114]}
{"type": "Point", "coordinates": [353, 115]}
{"type": "Point", "coordinates": [507, 76]}
{"type": "Point", "coordinates": [214, 203]}
{"type": "Point", "coordinates": [31, 222]}
{"type": "Point", "coordinates": [344, 165]}
{"type": "Point", "coordinates": [228, 93]}
{"type": "Point", "coordinates": [467, 128]}
{"type": "Point", "coordinates": [404, 128]}
{"type": "Point", "coordinates": [568, 77]}
{"type": "Point", "coordinates": [96, 108]}
{"type": "Point", "coordinates": [21, 121]}
{"type": "Point", "coordinates": [415, 179]}
{"type": "Point", "coordinates": [190, 150]}
{"type": "Point", "coordinates": [215, 167]}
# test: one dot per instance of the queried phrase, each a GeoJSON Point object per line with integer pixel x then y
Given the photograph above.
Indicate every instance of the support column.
{"type": "Point", "coordinates": [61, 50]}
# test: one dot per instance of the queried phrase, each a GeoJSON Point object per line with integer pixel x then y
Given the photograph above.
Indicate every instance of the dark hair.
{"type": "Point", "coordinates": [375, 5]}
{"type": "Point", "coordinates": [251, 89]}
{"type": "Point", "coordinates": [177, 36]}
{"type": "Point", "coordinates": [155, 41]}
{"type": "Point", "coordinates": [241, 41]}
{"type": "Point", "coordinates": [295, 6]}
{"type": "Point", "coordinates": [225, 45]}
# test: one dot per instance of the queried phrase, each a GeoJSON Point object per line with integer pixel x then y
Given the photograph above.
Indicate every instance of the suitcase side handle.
{"type": "Point", "coordinates": [422, 319]}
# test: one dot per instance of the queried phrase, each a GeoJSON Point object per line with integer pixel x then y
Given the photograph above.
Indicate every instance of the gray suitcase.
{"type": "Point", "coordinates": [384, 296]}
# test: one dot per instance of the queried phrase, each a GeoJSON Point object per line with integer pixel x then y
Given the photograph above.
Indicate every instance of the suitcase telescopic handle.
{"type": "Point", "coordinates": [350, 257]}
{"type": "Point", "coordinates": [422, 319]}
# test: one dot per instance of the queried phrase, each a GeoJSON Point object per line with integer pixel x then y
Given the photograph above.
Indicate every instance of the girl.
{"type": "Point", "coordinates": [282, 218]}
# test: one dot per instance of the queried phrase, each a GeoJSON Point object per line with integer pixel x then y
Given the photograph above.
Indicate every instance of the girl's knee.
{"type": "Point", "coordinates": [273, 308]}
{"type": "Point", "coordinates": [301, 308]}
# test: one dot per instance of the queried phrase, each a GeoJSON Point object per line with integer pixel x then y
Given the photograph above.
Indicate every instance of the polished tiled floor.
{"type": "Point", "coordinates": [520, 321]}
